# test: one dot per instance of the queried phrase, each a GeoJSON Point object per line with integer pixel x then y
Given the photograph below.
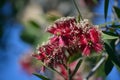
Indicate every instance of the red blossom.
{"type": "Point", "coordinates": [91, 41]}
{"type": "Point", "coordinates": [70, 36]}
{"type": "Point", "coordinates": [63, 31]}
{"type": "Point", "coordinates": [95, 35]}
{"type": "Point", "coordinates": [51, 54]}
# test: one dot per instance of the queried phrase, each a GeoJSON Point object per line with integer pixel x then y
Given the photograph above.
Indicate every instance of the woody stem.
{"type": "Point", "coordinates": [80, 16]}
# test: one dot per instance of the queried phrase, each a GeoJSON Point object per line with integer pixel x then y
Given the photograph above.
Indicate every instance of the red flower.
{"type": "Point", "coordinates": [71, 37]}
{"type": "Point", "coordinates": [63, 31]}
{"type": "Point", "coordinates": [51, 55]}
{"type": "Point", "coordinates": [91, 41]}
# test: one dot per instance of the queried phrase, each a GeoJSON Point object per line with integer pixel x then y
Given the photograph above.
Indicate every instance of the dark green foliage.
{"type": "Point", "coordinates": [106, 5]}
{"type": "Point", "coordinates": [41, 76]}
{"type": "Point", "coordinates": [117, 11]}
{"type": "Point", "coordinates": [108, 66]}
{"type": "Point", "coordinates": [110, 49]}
{"type": "Point", "coordinates": [2, 3]}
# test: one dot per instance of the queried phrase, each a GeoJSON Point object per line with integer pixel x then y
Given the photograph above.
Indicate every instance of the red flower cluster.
{"type": "Point", "coordinates": [51, 54]}
{"type": "Point", "coordinates": [68, 38]}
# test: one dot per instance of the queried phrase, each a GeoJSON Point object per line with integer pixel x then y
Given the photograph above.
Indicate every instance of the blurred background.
{"type": "Point", "coordinates": [22, 28]}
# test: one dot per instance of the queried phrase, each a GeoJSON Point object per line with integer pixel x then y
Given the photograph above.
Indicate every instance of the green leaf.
{"type": "Point", "coordinates": [115, 26]}
{"type": "Point", "coordinates": [34, 24]}
{"type": "Point", "coordinates": [117, 66]}
{"type": "Point", "coordinates": [106, 4]}
{"type": "Point", "coordinates": [41, 76]}
{"type": "Point", "coordinates": [108, 66]}
{"type": "Point", "coordinates": [117, 10]}
{"type": "Point", "coordinates": [76, 68]}
{"type": "Point", "coordinates": [107, 44]}
{"type": "Point", "coordinates": [110, 49]}
{"type": "Point", "coordinates": [107, 36]}
{"type": "Point", "coordinates": [32, 33]}
{"type": "Point", "coordinates": [74, 57]}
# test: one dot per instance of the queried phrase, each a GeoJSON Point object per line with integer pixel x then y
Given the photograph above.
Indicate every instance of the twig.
{"type": "Point", "coordinates": [53, 70]}
{"type": "Point", "coordinates": [76, 68]}
{"type": "Point", "coordinates": [96, 67]}
{"type": "Point", "coordinates": [80, 16]}
{"type": "Point", "coordinates": [112, 22]}
{"type": "Point", "coordinates": [69, 78]}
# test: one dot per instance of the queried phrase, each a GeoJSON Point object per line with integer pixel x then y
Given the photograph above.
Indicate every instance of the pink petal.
{"type": "Point", "coordinates": [53, 39]}
{"type": "Point", "coordinates": [37, 56]}
{"type": "Point", "coordinates": [94, 35]}
{"type": "Point", "coordinates": [86, 51]}
{"type": "Point", "coordinates": [83, 40]}
{"type": "Point", "coordinates": [63, 71]}
{"type": "Point", "coordinates": [58, 32]}
{"type": "Point", "coordinates": [98, 47]}
{"type": "Point", "coordinates": [61, 42]}
{"type": "Point", "coordinates": [51, 30]}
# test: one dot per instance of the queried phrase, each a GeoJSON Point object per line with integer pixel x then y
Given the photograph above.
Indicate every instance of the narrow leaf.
{"type": "Point", "coordinates": [115, 26]}
{"type": "Point", "coordinates": [41, 76]}
{"type": "Point", "coordinates": [76, 68]}
{"type": "Point", "coordinates": [117, 10]}
{"type": "Point", "coordinates": [106, 36]}
{"type": "Point", "coordinates": [108, 66]}
{"type": "Point", "coordinates": [34, 24]}
{"type": "Point", "coordinates": [111, 52]}
{"type": "Point", "coordinates": [116, 66]}
{"type": "Point", "coordinates": [106, 4]}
